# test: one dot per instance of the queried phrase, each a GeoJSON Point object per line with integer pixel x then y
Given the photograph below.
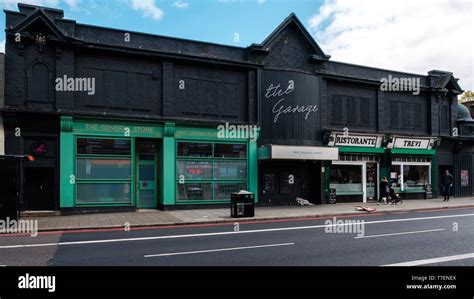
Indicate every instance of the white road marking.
{"type": "Point", "coordinates": [398, 234]}
{"type": "Point", "coordinates": [225, 233]}
{"type": "Point", "coordinates": [435, 260]}
{"type": "Point", "coordinates": [216, 250]}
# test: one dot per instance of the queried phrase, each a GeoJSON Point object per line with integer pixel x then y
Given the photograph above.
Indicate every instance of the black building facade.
{"type": "Point", "coordinates": [148, 134]}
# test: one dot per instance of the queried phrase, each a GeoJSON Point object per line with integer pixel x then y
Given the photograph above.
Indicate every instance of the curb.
{"type": "Point", "coordinates": [245, 220]}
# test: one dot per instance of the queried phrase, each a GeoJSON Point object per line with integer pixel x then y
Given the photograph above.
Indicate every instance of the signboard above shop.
{"type": "Point", "coordinates": [288, 152]}
{"type": "Point", "coordinates": [344, 139]}
{"type": "Point", "coordinates": [399, 142]}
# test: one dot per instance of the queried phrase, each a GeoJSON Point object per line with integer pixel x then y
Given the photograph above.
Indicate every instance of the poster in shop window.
{"type": "Point", "coordinates": [464, 178]}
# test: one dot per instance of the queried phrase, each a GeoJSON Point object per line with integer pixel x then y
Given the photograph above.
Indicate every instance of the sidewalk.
{"type": "Point", "coordinates": [201, 216]}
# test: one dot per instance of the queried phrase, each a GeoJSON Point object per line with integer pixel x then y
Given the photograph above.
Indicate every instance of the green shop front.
{"type": "Point", "coordinates": [408, 163]}
{"type": "Point", "coordinates": [111, 164]}
{"type": "Point", "coordinates": [355, 176]}
{"type": "Point", "coordinates": [412, 165]}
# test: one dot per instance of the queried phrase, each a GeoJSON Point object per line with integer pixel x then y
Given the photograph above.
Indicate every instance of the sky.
{"type": "Point", "coordinates": [405, 35]}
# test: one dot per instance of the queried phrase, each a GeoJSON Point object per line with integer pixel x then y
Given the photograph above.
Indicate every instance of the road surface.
{"type": "Point", "coordinates": [431, 238]}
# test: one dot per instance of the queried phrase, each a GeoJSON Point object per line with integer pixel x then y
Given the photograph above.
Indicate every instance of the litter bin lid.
{"type": "Point", "coordinates": [243, 192]}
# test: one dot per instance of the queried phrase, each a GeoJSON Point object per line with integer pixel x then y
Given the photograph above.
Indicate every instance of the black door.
{"type": "Point", "coordinates": [38, 189]}
{"type": "Point", "coordinates": [281, 182]}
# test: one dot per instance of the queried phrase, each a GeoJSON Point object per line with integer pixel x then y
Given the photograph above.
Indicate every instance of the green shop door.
{"type": "Point", "coordinates": [146, 176]}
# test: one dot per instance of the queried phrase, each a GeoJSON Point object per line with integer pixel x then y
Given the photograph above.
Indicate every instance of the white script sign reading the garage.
{"type": "Point", "coordinates": [277, 92]}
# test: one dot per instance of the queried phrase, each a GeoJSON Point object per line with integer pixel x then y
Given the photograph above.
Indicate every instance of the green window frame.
{"type": "Point", "coordinates": [211, 181]}
{"type": "Point", "coordinates": [105, 187]}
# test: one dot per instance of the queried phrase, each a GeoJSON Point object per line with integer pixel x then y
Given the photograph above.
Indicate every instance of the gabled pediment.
{"type": "Point", "coordinates": [294, 24]}
{"type": "Point", "coordinates": [446, 80]}
{"type": "Point", "coordinates": [39, 22]}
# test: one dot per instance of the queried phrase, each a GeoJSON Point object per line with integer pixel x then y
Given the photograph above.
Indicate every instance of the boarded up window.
{"type": "Point", "coordinates": [394, 115]}
{"type": "Point", "coordinates": [444, 118]}
{"type": "Point", "coordinates": [337, 109]}
{"type": "Point", "coordinates": [352, 110]}
{"type": "Point", "coordinates": [38, 82]}
{"type": "Point", "coordinates": [407, 115]}
{"type": "Point", "coordinates": [365, 112]}
{"type": "Point", "coordinates": [418, 116]}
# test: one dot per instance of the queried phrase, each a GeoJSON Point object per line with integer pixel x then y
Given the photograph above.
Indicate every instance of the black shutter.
{"type": "Point", "coordinates": [418, 117]}
{"type": "Point", "coordinates": [352, 110]}
{"type": "Point", "coordinates": [337, 109]}
{"type": "Point", "coordinates": [364, 112]}
{"type": "Point", "coordinates": [406, 115]}
{"type": "Point", "coordinates": [394, 114]}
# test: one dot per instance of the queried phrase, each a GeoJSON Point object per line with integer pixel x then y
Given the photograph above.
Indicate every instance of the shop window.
{"type": "Point", "coordinates": [146, 150]}
{"type": "Point", "coordinates": [103, 171]}
{"type": "Point", "coordinates": [96, 168]}
{"type": "Point", "coordinates": [395, 176]}
{"type": "Point", "coordinates": [194, 170]}
{"type": "Point", "coordinates": [222, 191]}
{"type": "Point", "coordinates": [230, 170]}
{"type": "Point", "coordinates": [103, 193]}
{"type": "Point", "coordinates": [415, 176]}
{"type": "Point", "coordinates": [223, 150]}
{"type": "Point", "coordinates": [195, 191]}
{"type": "Point", "coordinates": [410, 173]}
{"type": "Point", "coordinates": [190, 149]}
{"type": "Point", "coordinates": [96, 146]}
{"type": "Point", "coordinates": [210, 171]}
{"type": "Point", "coordinates": [346, 179]}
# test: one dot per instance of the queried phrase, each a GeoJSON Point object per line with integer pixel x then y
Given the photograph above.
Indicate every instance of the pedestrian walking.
{"type": "Point", "coordinates": [447, 181]}
{"type": "Point", "coordinates": [384, 190]}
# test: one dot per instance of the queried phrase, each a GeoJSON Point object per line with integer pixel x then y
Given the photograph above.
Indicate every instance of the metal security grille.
{"type": "Point", "coordinates": [364, 158]}
{"type": "Point", "coordinates": [411, 159]}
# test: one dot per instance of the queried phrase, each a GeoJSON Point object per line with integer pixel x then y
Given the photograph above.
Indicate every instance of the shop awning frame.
{"type": "Point", "coordinates": [295, 152]}
{"type": "Point", "coordinates": [407, 151]}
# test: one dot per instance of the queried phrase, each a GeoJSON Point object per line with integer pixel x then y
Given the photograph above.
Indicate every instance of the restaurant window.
{"type": "Point", "coordinates": [346, 179]}
{"type": "Point", "coordinates": [210, 171]}
{"type": "Point", "coordinates": [410, 173]}
{"type": "Point", "coordinates": [103, 171]}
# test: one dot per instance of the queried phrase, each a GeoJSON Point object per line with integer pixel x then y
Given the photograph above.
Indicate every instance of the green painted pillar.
{"type": "Point", "coordinates": [67, 172]}
{"type": "Point", "coordinates": [434, 176]}
{"type": "Point", "coordinates": [386, 163]}
{"type": "Point", "coordinates": [168, 166]}
{"type": "Point", "coordinates": [253, 169]}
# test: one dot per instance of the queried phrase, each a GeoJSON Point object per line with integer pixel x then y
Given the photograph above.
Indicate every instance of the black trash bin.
{"type": "Point", "coordinates": [242, 204]}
